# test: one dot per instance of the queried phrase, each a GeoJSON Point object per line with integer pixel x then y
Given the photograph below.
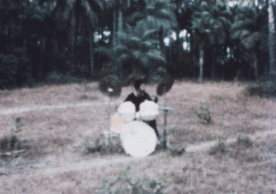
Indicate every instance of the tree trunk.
{"type": "Point", "coordinates": [91, 50]}
{"type": "Point", "coordinates": [255, 65]}
{"type": "Point", "coordinates": [42, 50]}
{"type": "Point", "coordinates": [120, 18]}
{"type": "Point", "coordinates": [271, 28]}
{"type": "Point", "coordinates": [55, 52]}
{"type": "Point", "coordinates": [73, 24]}
{"type": "Point", "coordinates": [77, 12]}
{"type": "Point", "coordinates": [114, 35]}
{"type": "Point", "coordinates": [120, 30]}
{"type": "Point", "coordinates": [75, 43]}
{"type": "Point", "coordinates": [222, 72]}
{"type": "Point", "coordinates": [201, 62]}
{"type": "Point", "coordinates": [161, 38]}
{"type": "Point", "coordinates": [213, 63]}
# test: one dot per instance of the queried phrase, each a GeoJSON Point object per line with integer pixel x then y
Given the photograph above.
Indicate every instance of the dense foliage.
{"type": "Point", "coordinates": [69, 40]}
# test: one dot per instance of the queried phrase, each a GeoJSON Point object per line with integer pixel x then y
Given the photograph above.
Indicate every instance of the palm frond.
{"type": "Point", "coordinates": [157, 56]}
{"type": "Point", "coordinates": [166, 14]}
{"type": "Point", "coordinates": [120, 49]}
{"type": "Point", "coordinates": [136, 54]}
{"type": "Point", "coordinates": [250, 40]}
{"type": "Point", "coordinates": [123, 57]}
{"type": "Point", "coordinates": [148, 33]}
{"type": "Point", "coordinates": [132, 19]}
{"type": "Point", "coordinates": [204, 6]}
{"type": "Point", "coordinates": [146, 45]}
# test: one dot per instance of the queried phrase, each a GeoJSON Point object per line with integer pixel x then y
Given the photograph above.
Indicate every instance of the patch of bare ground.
{"type": "Point", "coordinates": [58, 163]}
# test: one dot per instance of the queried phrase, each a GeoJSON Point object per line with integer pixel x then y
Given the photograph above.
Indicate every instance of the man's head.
{"type": "Point", "coordinates": [139, 85]}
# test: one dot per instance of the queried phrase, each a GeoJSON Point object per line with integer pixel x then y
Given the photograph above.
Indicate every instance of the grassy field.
{"type": "Point", "coordinates": [57, 122]}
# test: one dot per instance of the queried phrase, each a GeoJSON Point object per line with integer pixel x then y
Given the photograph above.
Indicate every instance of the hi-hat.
{"type": "Point", "coordinates": [138, 139]}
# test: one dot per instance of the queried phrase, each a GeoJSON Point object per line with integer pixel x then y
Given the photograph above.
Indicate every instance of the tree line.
{"type": "Point", "coordinates": [65, 40]}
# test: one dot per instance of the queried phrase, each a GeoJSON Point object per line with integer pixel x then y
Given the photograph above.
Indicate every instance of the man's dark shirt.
{"type": "Point", "coordinates": [137, 100]}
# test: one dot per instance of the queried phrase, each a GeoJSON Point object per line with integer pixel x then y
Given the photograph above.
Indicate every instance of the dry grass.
{"type": "Point", "coordinates": [57, 163]}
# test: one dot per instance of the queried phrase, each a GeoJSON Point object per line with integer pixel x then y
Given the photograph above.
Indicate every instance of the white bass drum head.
{"type": "Point", "coordinates": [138, 139]}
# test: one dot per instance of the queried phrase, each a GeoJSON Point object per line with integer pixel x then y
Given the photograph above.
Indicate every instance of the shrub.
{"type": "Point", "coordinates": [219, 148]}
{"type": "Point", "coordinates": [59, 78]}
{"type": "Point", "coordinates": [132, 185]}
{"type": "Point", "coordinates": [262, 90]}
{"type": "Point", "coordinates": [8, 70]}
{"type": "Point", "coordinates": [204, 114]}
{"type": "Point", "coordinates": [243, 140]}
{"type": "Point", "coordinates": [15, 68]}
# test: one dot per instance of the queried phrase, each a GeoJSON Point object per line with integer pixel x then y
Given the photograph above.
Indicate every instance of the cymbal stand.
{"type": "Point", "coordinates": [109, 132]}
{"type": "Point", "coordinates": [165, 109]}
{"type": "Point", "coordinates": [165, 124]}
{"type": "Point", "coordinates": [110, 142]}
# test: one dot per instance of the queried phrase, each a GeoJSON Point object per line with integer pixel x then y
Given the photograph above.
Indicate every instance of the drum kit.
{"type": "Point", "coordinates": [137, 137]}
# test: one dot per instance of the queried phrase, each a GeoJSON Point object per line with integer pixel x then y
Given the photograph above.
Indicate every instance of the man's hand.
{"type": "Point", "coordinates": [155, 99]}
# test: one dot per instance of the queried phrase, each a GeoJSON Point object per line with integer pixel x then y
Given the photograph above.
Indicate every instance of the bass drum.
{"type": "Point", "coordinates": [138, 139]}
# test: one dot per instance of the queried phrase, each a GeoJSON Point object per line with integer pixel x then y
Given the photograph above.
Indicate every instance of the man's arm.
{"type": "Point", "coordinates": [128, 98]}
{"type": "Point", "coordinates": [149, 98]}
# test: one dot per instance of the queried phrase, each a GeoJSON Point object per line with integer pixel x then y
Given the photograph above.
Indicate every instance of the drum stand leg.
{"type": "Point", "coordinates": [111, 145]}
{"type": "Point", "coordinates": [109, 138]}
{"type": "Point", "coordinates": [165, 126]}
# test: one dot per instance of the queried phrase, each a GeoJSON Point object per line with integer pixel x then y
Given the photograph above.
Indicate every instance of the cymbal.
{"type": "Point", "coordinates": [110, 85]}
{"type": "Point", "coordinates": [165, 85]}
{"type": "Point", "coordinates": [166, 108]}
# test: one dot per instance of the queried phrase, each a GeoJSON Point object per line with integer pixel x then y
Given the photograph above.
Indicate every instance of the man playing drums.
{"type": "Point", "coordinates": [139, 96]}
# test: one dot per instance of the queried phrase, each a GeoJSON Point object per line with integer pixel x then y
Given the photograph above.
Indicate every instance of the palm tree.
{"type": "Point", "coordinates": [136, 54]}
{"type": "Point", "coordinates": [157, 15]}
{"type": "Point", "coordinates": [245, 30]}
{"type": "Point", "coordinates": [56, 16]}
{"type": "Point", "coordinates": [119, 9]}
{"type": "Point", "coordinates": [271, 27]}
{"type": "Point", "coordinates": [14, 59]}
{"type": "Point", "coordinates": [201, 30]}
{"type": "Point", "coordinates": [211, 24]}
{"type": "Point", "coordinates": [39, 16]}
{"type": "Point", "coordinates": [92, 9]}
{"type": "Point", "coordinates": [219, 25]}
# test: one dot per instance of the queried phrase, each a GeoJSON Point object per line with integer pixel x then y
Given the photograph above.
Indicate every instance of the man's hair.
{"type": "Point", "coordinates": [138, 83]}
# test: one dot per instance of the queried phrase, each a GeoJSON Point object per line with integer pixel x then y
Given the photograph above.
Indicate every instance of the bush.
{"type": "Point", "coordinates": [129, 185]}
{"type": "Point", "coordinates": [219, 148]}
{"type": "Point", "coordinates": [245, 141]}
{"type": "Point", "coordinates": [8, 70]}
{"type": "Point", "coordinates": [14, 70]}
{"type": "Point", "coordinates": [262, 90]}
{"type": "Point", "coordinates": [59, 78]}
{"type": "Point", "coordinates": [9, 143]}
